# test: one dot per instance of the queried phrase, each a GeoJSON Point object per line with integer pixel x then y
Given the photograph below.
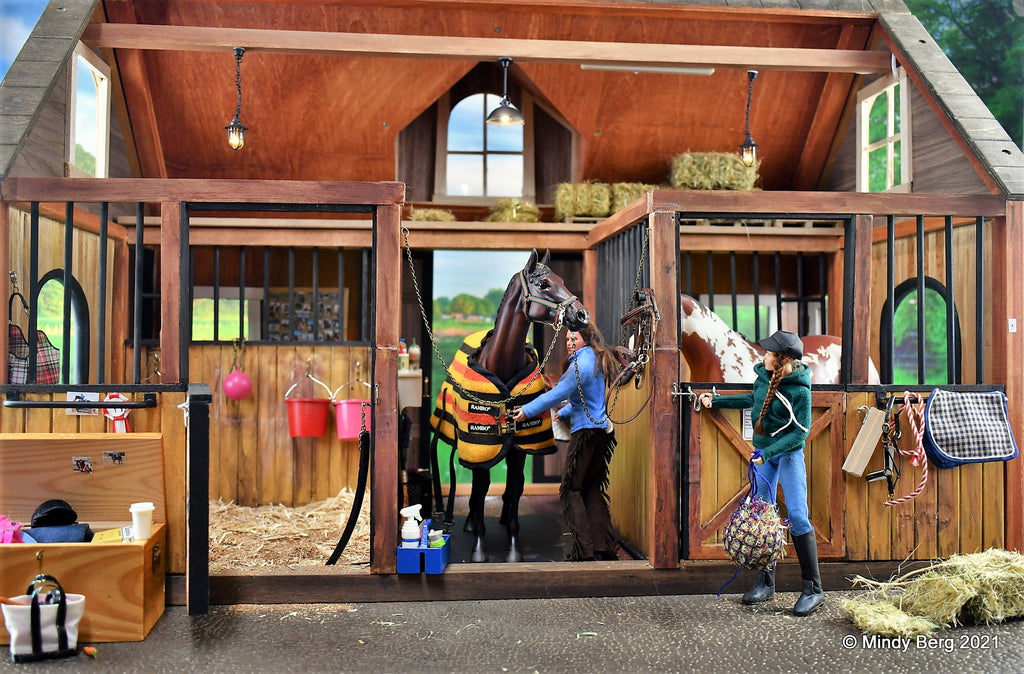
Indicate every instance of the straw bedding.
{"type": "Point", "coordinates": [244, 538]}
{"type": "Point", "coordinates": [979, 588]}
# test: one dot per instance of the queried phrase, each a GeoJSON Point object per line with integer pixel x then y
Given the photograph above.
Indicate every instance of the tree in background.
{"type": "Point", "coordinates": [985, 41]}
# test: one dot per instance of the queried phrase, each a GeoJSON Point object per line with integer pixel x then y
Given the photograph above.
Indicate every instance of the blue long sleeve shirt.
{"type": "Point", "coordinates": [593, 386]}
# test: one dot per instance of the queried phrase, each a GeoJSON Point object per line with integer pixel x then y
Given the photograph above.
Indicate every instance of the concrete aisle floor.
{"type": "Point", "coordinates": [626, 634]}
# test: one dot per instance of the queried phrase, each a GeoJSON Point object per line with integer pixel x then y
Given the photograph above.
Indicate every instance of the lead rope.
{"type": "Point", "coordinates": [915, 419]}
{"type": "Point", "coordinates": [357, 501]}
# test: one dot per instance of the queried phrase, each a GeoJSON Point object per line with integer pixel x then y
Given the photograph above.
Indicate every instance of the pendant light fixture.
{"type": "Point", "coordinates": [505, 114]}
{"type": "Point", "coordinates": [236, 131]}
{"type": "Point", "coordinates": [748, 151]}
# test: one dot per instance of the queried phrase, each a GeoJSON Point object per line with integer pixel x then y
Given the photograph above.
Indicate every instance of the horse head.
{"type": "Point", "coordinates": [545, 295]}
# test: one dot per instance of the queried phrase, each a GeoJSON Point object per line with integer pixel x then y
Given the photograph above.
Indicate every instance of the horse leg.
{"type": "Point", "coordinates": [515, 480]}
{"type": "Point", "coordinates": [475, 519]}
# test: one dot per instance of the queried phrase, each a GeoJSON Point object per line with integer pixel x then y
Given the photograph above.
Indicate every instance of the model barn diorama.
{"type": "Point", "coordinates": [256, 226]}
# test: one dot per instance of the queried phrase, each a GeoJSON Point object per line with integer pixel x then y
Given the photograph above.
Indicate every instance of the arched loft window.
{"type": "Point", "coordinates": [50, 302]}
{"type": "Point", "coordinates": [942, 352]}
{"type": "Point", "coordinates": [448, 151]}
{"type": "Point", "coordinates": [482, 160]}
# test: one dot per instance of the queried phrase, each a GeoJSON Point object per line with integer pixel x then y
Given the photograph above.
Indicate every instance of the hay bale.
{"type": "Point", "coordinates": [978, 588]}
{"type": "Point", "coordinates": [600, 199]}
{"type": "Point", "coordinates": [565, 201]}
{"type": "Point", "coordinates": [582, 199]}
{"type": "Point", "coordinates": [880, 617]}
{"type": "Point", "coordinates": [431, 215]}
{"type": "Point", "coordinates": [514, 209]}
{"type": "Point", "coordinates": [624, 194]}
{"type": "Point", "coordinates": [712, 171]}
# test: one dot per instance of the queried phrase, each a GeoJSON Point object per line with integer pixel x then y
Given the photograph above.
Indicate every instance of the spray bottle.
{"type": "Point", "coordinates": [411, 528]}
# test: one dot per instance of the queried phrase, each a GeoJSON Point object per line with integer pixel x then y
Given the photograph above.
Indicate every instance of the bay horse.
{"type": "Point", "coordinates": [492, 374]}
{"type": "Point", "coordinates": [717, 353]}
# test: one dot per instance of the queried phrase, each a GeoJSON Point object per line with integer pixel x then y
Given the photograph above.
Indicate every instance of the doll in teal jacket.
{"type": "Point", "coordinates": [781, 398]}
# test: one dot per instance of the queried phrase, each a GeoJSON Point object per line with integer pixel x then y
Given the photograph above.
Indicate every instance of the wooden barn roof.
{"type": "Point", "coordinates": [327, 87]}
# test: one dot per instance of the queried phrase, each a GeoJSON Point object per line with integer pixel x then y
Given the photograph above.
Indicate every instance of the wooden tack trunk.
{"type": "Point", "coordinates": [100, 475]}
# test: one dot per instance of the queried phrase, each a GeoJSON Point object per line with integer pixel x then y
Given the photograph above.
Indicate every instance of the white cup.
{"type": "Point", "coordinates": [142, 520]}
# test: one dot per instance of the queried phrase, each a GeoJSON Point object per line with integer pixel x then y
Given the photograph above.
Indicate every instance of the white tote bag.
{"type": "Point", "coordinates": [44, 623]}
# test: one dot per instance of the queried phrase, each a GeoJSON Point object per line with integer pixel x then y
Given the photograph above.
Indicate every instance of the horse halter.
{"type": "Point", "coordinates": [558, 307]}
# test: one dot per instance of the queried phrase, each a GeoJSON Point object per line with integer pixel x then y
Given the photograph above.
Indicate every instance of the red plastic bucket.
{"type": "Point", "coordinates": [307, 417]}
{"type": "Point", "coordinates": [348, 417]}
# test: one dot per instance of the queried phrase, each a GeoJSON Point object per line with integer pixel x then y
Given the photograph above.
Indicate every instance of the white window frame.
{"type": "Point", "coordinates": [441, 196]}
{"type": "Point", "coordinates": [101, 74]}
{"type": "Point", "coordinates": [866, 97]}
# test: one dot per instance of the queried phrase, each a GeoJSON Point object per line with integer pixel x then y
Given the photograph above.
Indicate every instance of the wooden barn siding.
{"type": "Point", "coordinates": [938, 162]}
{"type": "Point", "coordinates": [959, 511]}
{"type": "Point", "coordinates": [84, 267]}
{"type": "Point", "coordinates": [628, 484]}
{"type": "Point", "coordinates": [253, 458]}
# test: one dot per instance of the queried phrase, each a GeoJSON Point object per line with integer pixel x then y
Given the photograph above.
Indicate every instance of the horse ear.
{"type": "Point", "coordinates": [532, 262]}
{"type": "Point", "coordinates": [547, 258]}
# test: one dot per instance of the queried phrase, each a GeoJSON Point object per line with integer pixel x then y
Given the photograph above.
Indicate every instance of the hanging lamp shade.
{"type": "Point", "coordinates": [505, 114]}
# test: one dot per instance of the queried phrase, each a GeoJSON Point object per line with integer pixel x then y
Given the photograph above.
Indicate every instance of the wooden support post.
{"type": "Point", "coordinates": [384, 465]}
{"type": "Point", "coordinates": [663, 478]}
{"type": "Point", "coordinates": [859, 294]}
{"type": "Point", "coordinates": [1008, 349]}
{"type": "Point", "coordinates": [172, 268]}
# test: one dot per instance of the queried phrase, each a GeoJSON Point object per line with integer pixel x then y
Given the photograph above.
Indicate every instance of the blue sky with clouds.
{"type": "Point", "coordinates": [17, 18]}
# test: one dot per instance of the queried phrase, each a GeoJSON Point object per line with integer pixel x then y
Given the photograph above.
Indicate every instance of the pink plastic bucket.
{"type": "Point", "coordinates": [307, 417]}
{"type": "Point", "coordinates": [347, 415]}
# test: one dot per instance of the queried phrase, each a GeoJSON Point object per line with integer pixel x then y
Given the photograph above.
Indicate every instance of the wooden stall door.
{"type": "Point", "coordinates": [717, 477]}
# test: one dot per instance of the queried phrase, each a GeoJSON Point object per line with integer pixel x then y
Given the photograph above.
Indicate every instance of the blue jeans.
{"type": "Point", "coordinates": [789, 470]}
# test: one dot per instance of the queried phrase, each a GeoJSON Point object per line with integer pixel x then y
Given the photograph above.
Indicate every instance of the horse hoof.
{"type": "Point", "coordinates": [479, 556]}
{"type": "Point", "coordinates": [513, 556]}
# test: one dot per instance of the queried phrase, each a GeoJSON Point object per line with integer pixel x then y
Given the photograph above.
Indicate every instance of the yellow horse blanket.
{"type": "Point", "coordinates": [476, 426]}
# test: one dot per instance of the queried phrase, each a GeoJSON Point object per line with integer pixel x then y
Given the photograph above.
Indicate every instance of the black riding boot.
{"type": "Point", "coordinates": [812, 595]}
{"type": "Point", "coordinates": [763, 589]}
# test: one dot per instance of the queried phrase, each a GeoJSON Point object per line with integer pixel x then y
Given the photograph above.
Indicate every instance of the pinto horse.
{"type": "Point", "coordinates": [717, 353]}
{"type": "Point", "coordinates": [490, 377]}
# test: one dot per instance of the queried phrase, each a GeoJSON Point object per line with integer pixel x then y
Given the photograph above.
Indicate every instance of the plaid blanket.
{"type": "Point", "coordinates": [474, 425]}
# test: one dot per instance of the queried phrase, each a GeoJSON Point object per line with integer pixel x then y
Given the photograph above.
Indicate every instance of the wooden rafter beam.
{"type": "Point", "coordinates": [620, 54]}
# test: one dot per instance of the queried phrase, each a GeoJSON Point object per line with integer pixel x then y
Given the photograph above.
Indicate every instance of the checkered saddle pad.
{"type": "Point", "coordinates": [967, 427]}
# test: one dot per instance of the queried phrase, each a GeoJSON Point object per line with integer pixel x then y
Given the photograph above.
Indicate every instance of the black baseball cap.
{"type": "Point", "coordinates": [784, 342]}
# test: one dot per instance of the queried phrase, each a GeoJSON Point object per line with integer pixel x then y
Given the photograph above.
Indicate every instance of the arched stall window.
{"type": "Point", "coordinates": [50, 304]}
{"type": "Point", "coordinates": [900, 339]}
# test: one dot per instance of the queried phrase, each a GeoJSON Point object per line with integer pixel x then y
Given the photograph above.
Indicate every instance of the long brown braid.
{"type": "Point", "coordinates": [784, 364]}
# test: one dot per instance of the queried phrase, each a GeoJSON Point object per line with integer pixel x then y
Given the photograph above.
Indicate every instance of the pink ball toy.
{"type": "Point", "coordinates": [237, 385]}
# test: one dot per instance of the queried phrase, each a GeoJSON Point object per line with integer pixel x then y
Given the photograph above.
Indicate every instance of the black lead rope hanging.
{"type": "Point", "coordinates": [357, 501]}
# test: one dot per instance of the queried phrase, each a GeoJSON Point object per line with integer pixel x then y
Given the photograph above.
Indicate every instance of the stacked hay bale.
{"type": "Point", "coordinates": [711, 171]}
{"type": "Point", "coordinates": [624, 194]}
{"type": "Point", "coordinates": [514, 209]}
{"type": "Point", "coordinates": [586, 199]}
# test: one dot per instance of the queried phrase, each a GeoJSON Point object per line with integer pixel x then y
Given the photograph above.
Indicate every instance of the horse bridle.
{"type": "Point", "coordinates": [528, 297]}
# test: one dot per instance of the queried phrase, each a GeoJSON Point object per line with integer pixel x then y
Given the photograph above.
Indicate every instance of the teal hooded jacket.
{"type": "Point", "coordinates": [788, 418]}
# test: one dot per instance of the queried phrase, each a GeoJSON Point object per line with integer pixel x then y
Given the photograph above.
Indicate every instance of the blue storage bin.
{"type": "Point", "coordinates": [423, 559]}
